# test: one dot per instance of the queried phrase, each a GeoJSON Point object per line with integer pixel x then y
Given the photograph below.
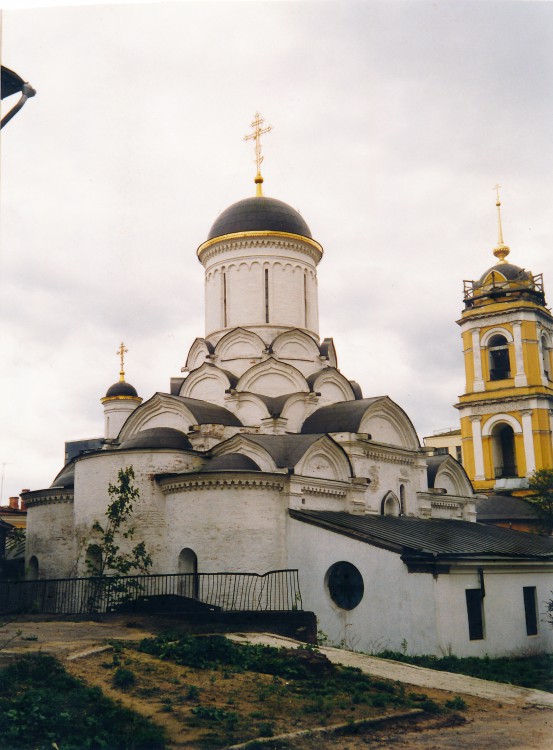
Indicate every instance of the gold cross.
{"type": "Point", "coordinates": [496, 188]}
{"type": "Point", "coordinates": [121, 353]}
{"type": "Point", "coordinates": [258, 131]}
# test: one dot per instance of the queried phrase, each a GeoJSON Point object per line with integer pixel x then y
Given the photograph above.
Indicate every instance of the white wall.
{"type": "Point", "coordinates": [427, 615]}
{"type": "Point", "coordinates": [504, 619]}
{"type": "Point", "coordinates": [237, 527]}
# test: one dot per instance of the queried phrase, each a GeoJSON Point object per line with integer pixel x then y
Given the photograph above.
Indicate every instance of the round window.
{"type": "Point", "coordinates": [345, 585]}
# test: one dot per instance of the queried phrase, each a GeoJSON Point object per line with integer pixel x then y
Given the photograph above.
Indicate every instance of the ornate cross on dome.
{"type": "Point", "coordinates": [121, 354]}
{"type": "Point", "coordinates": [258, 131]}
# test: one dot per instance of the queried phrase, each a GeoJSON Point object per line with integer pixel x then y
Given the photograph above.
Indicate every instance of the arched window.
{"type": "Point", "coordinates": [503, 451]}
{"type": "Point", "coordinates": [188, 568]}
{"type": "Point", "coordinates": [390, 505]}
{"type": "Point", "coordinates": [498, 350]}
{"type": "Point", "coordinates": [401, 499]}
{"type": "Point", "coordinates": [32, 573]}
{"type": "Point", "coordinates": [93, 560]}
{"type": "Point", "coordinates": [545, 357]}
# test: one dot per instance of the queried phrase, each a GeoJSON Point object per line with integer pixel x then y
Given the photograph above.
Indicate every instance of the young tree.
{"type": "Point", "coordinates": [541, 484]}
{"type": "Point", "coordinates": [111, 561]}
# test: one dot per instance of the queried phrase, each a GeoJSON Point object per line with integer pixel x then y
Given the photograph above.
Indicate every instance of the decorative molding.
{"type": "Point", "coordinates": [248, 240]}
{"type": "Point", "coordinates": [191, 485]}
{"type": "Point", "coordinates": [391, 458]}
{"type": "Point", "coordinates": [311, 490]}
{"type": "Point", "coordinates": [56, 498]}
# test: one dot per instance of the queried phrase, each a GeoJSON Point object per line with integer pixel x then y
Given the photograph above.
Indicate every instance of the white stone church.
{"type": "Point", "coordinates": [263, 456]}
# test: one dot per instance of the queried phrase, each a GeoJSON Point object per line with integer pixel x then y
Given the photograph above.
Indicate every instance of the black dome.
{"type": "Point", "coordinates": [158, 437]}
{"type": "Point", "coordinates": [259, 214]}
{"type": "Point", "coordinates": [121, 389]}
{"type": "Point", "coordinates": [508, 270]}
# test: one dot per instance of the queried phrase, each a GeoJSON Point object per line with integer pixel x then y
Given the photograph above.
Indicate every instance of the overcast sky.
{"type": "Point", "coordinates": [392, 123]}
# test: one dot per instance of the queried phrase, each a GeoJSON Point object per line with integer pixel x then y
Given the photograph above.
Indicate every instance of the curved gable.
{"type": "Point", "coordinates": [198, 353]}
{"type": "Point", "coordinates": [208, 383]}
{"type": "Point", "coordinates": [163, 410]}
{"type": "Point", "coordinates": [445, 473]}
{"type": "Point", "coordinates": [272, 378]}
{"type": "Point", "coordinates": [386, 422]}
{"type": "Point", "coordinates": [241, 445]}
{"type": "Point", "coordinates": [332, 386]}
{"type": "Point", "coordinates": [250, 409]}
{"type": "Point", "coordinates": [295, 345]}
{"type": "Point", "coordinates": [240, 344]}
{"type": "Point", "coordinates": [324, 459]}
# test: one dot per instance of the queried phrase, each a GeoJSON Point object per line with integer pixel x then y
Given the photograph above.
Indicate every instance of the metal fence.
{"type": "Point", "coordinates": [226, 592]}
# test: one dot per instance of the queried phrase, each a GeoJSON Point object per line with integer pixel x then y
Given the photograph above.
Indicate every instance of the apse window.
{"type": "Point", "coordinates": [530, 610]}
{"type": "Point", "coordinates": [345, 585]}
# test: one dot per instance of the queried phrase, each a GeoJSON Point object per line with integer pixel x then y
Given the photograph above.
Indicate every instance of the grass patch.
{"type": "Point", "coordinates": [40, 704]}
{"type": "Point", "coordinates": [527, 671]}
{"type": "Point", "coordinates": [273, 690]}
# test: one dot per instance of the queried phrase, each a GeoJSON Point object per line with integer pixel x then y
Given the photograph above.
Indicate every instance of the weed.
{"type": "Point", "coordinates": [267, 729]}
{"type": "Point", "coordinates": [430, 706]}
{"type": "Point", "coordinates": [40, 704]}
{"type": "Point", "coordinates": [124, 678]}
{"type": "Point", "coordinates": [193, 693]}
{"type": "Point", "coordinates": [456, 704]}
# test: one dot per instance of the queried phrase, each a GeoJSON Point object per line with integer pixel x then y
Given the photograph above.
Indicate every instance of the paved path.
{"type": "Point", "coordinates": [419, 676]}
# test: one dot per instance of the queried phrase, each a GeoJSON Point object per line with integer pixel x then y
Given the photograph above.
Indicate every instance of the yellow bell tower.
{"type": "Point", "coordinates": [507, 408]}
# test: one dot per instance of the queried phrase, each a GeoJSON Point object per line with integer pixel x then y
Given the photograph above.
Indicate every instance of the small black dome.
{"type": "Point", "coordinates": [508, 270]}
{"type": "Point", "coordinates": [259, 214]}
{"type": "Point", "coordinates": [158, 437]}
{"type": "Point", "coordinates": [121, 389]}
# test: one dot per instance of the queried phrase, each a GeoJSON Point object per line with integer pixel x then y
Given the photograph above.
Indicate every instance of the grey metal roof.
{"type": "Point", "coordinates": [206, 413]}
{"type": "Point", "coordinates": [275, 404]}
{"type": "Point", "coordinates": [259, 214]}
{"type": "Point", "coordinates": [285, 450]}
{"type": "Point", "coordinates": [231, 462]}
{"type": "Point", "coordinates": [158, 437]}
{"type": "Point", "coordinates": [344, 416]}
{"type": "Point", "coordinates": [66, 477]}
{"type": "Point", "coordinates": [434, 538]}
{"type": "Point", "coordinates": [505, 508]}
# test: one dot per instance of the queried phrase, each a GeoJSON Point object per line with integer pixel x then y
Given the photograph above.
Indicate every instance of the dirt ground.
{"type": "Point", "coordinates": [484, 725]}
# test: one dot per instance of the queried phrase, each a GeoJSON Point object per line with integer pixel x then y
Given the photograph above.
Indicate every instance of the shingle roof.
{"type": "Point", "coordinates": [432, 539]}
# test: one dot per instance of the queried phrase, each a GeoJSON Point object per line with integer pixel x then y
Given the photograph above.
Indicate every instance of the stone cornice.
{"type": "Point", "coordinates": [500, 404]}
{"type": "Point", "coordinates": [248, 240]}
{"type": "Point", "coordinates": [527, 311]}
{"type": "Point", "coordinates": [188, 484]}
{"type": "Point", "coordinates": [52, 496]}
{"type": "Point", "coordinates": [392, 455]}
